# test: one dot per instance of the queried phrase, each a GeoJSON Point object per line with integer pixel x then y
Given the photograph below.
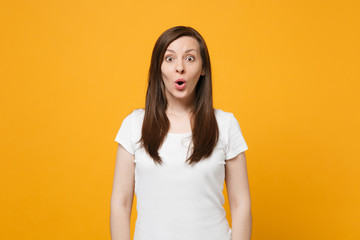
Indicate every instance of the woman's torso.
{"type": "Point", "coordinates": [176, 201]}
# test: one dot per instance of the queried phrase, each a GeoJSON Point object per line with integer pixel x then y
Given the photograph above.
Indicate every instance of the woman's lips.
{"type": "Point", "coordinates": [180, 84]}
{"type": "Point", "coordinates": [180, 87]}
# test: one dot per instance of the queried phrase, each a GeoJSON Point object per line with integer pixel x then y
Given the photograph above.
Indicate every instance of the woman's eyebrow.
{"type": "Point", "coordinates": [185, 51]}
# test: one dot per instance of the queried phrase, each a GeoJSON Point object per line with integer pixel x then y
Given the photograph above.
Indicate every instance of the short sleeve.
{"type": "Point", "coordinates": [124, 135]}
{"type": "Point", "coordinates": [235, 140]}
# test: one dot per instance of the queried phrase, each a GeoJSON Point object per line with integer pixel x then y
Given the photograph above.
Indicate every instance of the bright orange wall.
{"type": "Point", "coordinates": [72, 70]}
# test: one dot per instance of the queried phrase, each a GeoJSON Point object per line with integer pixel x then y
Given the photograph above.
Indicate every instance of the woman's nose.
{"type": "Point", "coordinates": [180, 67]}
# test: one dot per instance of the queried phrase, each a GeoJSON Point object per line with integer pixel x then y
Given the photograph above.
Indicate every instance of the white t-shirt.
{"type": "Point", "coordinates": [176, 201]}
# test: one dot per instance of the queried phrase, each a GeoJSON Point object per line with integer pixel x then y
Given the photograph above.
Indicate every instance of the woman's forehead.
{"type": "Point", "coordinates": [183, 44]}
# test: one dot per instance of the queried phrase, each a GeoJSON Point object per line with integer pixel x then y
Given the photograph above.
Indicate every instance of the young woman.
{"type": "Point", "coordinates": [176, 153]}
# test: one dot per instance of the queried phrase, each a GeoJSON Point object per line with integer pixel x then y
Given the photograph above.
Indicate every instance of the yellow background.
{"type": "Point", "coordinates": [72, 70]}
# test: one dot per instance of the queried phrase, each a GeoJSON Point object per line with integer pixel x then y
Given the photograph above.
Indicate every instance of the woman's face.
{"type": "Point", "coordinates": [182, 60]}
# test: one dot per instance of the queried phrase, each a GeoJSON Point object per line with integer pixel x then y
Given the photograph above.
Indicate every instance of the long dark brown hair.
{"type": "Point", "coordinates": [205, 132]}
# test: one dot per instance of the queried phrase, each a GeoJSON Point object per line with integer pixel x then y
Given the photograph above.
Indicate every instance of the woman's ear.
{"type": "Point", "coordinates": [203, 72]}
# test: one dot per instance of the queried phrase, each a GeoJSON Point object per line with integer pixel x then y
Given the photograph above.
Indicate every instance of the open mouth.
{"type": "Point", "coordinates": [180, 84]}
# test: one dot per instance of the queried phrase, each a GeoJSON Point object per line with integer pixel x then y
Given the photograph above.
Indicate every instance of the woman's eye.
{"type": "Point", "coordinates": [167, 58]}
{"type": "Point", "coordinates": [192, 58]}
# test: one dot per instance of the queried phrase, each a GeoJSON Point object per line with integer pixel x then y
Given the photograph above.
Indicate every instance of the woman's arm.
{"type": "Point", "coordinates": [237, 186]}
{"type": "Point", "coordinates": [122, 195]}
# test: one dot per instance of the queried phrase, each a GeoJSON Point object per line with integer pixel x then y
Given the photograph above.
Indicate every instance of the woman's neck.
{"type": "Point", "coordinates": [179, 107]}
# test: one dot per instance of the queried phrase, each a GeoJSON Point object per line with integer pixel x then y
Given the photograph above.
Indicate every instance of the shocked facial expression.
{"type": "Point", "coordinates": [181, 68]}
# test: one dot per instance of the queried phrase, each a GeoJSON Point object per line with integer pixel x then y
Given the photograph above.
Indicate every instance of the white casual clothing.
{"type": "Point", "coordinates": [176, 201]}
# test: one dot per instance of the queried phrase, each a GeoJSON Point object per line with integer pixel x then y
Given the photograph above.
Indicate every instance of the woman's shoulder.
{"type": "Point", "coordinates": [138, 112]}
{"type": "Point", "coordinates": [135, 115]}
{"type": "Point", "coordinates": [224, 118]}
{"type": "Point", "coordinates": [221, 114]}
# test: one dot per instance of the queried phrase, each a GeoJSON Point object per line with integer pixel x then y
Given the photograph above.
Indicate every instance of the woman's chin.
{"type": "Point", "coordinates": [180, 95]}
